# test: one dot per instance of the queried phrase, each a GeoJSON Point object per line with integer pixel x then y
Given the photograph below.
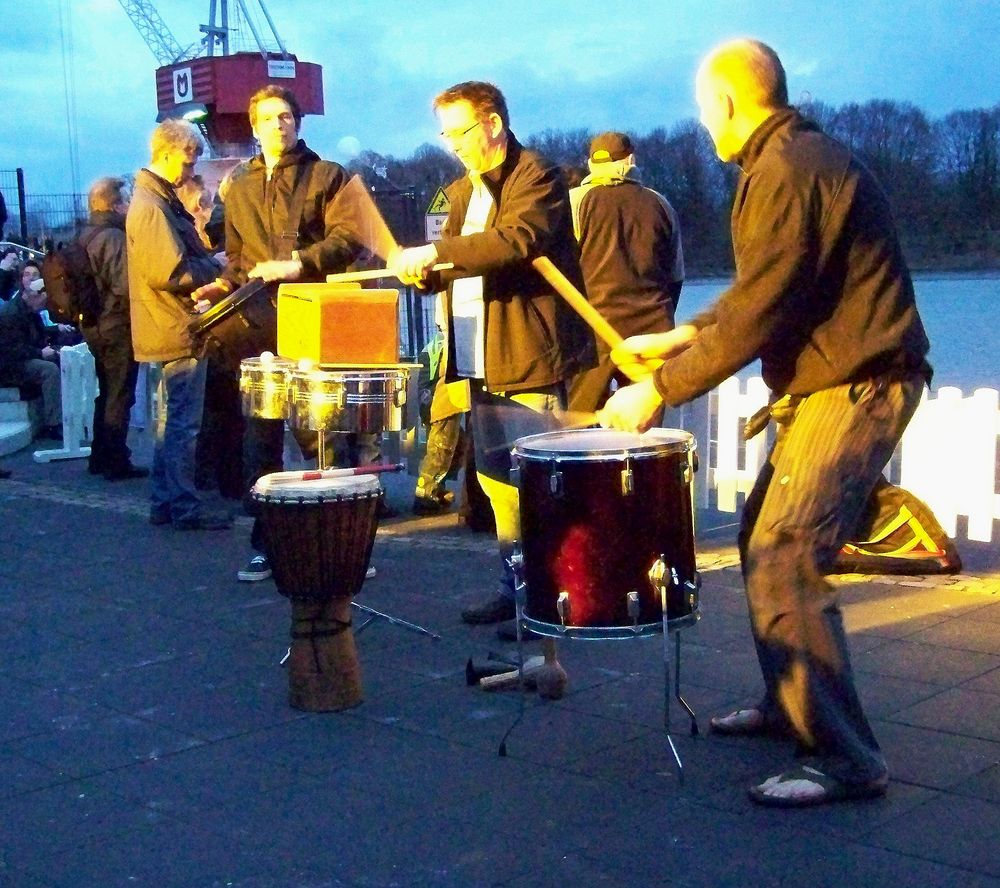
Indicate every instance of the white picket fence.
{"type": "Point", "coordinates": [948, 456]}
{"type": "Point", "coordinates": [79, 388]}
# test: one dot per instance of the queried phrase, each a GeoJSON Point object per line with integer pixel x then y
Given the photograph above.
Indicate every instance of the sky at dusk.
{"type": "Point", "coordinates": [562, 65]}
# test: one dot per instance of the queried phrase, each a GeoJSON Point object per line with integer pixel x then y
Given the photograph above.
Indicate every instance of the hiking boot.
{"type": "Point", "coordinates": [256, 569]}
{"type": "Point", "coordinates": [432, 504]}
{"type": "Point", "coordinates": [495, 609]}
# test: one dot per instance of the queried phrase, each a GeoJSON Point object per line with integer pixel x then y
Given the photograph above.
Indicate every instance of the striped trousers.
{"type": "Point", "coordinates": [805, 503]}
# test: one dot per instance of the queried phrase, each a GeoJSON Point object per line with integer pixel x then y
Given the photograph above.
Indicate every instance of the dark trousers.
{"type": "Point", "coordinates": [807, 500]}
{"type": "Point", "coordinates": [219, 457]}
{"type": "Point", "coordinates": [116, 376]}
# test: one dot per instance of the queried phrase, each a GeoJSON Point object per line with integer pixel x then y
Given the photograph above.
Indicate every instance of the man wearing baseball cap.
{"type": "Point", "coordinates": [630, 254]}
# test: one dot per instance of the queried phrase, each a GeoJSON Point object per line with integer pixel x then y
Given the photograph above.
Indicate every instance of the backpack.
{"type": "Point", "coordinates": [898, 534]}
{"type": "Point", "coordinates": [74, 296]}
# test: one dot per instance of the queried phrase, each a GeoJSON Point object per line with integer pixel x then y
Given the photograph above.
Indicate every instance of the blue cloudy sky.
{"type": "Point", "coordinates": [593, 64]}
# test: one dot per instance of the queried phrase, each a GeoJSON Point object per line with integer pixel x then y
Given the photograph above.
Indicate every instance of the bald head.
{"type": "Point", "coordinates": [739, 85]}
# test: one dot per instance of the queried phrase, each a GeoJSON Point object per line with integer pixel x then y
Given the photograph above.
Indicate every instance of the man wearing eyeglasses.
{"type": "Point", "coordinates": [508, 332]}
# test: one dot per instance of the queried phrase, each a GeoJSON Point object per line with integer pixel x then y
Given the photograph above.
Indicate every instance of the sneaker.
{"type": "Point", "coordinates": [256, 569]}
{"type": "Point", "coordinates": [370, 573]}
{"type": "Point", "coordinates": [495, 609]}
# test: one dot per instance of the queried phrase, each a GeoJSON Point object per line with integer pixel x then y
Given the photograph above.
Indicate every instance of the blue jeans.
{"type": "Point", "coordinates": [174, 494]}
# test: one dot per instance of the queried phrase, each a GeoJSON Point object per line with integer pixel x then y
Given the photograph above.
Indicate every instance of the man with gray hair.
{"type": "Point", "coordinates": [166, 263]}
{"type": "Point", "coordinates": [823, 298]}
{"type": "Point", "coordinates": [630, 254]}
{"type": "Point", "coordinates": [109, 334]}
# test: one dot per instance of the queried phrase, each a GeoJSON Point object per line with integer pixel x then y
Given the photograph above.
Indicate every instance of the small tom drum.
{"type": "Point", "coordinates": [600, 511]}
{"type": "Point", "coordinates": [348, 400]}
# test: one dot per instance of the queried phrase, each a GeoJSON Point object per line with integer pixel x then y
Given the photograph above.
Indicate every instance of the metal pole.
{"type": "Point", "coordinates": [274, 30]}
{"type": "Point", "coordinates": [21, 206]}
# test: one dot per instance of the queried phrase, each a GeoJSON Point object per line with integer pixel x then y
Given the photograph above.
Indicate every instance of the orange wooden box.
{"type": "Point", "coordinates": [338, 324]}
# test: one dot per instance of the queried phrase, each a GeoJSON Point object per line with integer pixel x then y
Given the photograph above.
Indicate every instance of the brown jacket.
{"type": "Point", "coordinates": [166, 262]}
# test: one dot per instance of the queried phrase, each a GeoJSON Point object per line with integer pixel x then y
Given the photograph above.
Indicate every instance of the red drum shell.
{"type": "Point", "coordinates": [580, 533]}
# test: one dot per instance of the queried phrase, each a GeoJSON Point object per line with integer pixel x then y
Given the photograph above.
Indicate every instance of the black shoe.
{"type": "Point", "coordinates": [206, 521]}
{"type": "Point", "coordinates": [495, 609]}
{"type": "Point", "coordinates": [126, 473]}
{"type": "Point", "coordinates": [508, 632]}
{"type": "Point", "coordinates": [4, 473]}
{"type": "Point", "coordinates": [385, 510]}
{"type": "Point", "coordinates": [95, 468]}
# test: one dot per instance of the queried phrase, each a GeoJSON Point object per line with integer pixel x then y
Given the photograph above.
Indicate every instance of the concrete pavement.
{"type": "Point", "coordinates": [145, 737]}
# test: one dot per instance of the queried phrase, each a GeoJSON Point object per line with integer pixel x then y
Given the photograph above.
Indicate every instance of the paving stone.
{"type": "Point", "coordinates": [957, 710]}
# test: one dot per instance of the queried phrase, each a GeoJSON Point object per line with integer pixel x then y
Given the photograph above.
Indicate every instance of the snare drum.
{"type": "Point", "coordinates": [348, 400]}
{"type": "Point", "coordinates": [264, 387]}
{"type": "Point", "coordinates": [599, 508]}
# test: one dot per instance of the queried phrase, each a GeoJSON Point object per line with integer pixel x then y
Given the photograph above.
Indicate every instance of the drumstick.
{"type": "Point", "coordinates": [373, 274]}
{"type": "Point", "coordinates": [578, 302]}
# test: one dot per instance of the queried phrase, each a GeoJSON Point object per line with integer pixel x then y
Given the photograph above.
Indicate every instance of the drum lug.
{"type": "Point", "coordinates": [693, 587]}
{"type": "Point", "coordinates": [399, 397]}
{"type": "Point", "coordinates": [628, 480]}
{"type": "Point", "coordinates": [556, 482]}
{"type": "Point", "coordinates": [562, 606]}
{"type": "Point", "coordinates": [633, 606]}
{"type": "Point", "coordinates": [687, 472]}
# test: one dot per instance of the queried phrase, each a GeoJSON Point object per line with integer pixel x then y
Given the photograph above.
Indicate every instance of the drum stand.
{"type": "Point", "coordinates": [373, 614]}
{"type": "Point", "coordinates": [658, 576]}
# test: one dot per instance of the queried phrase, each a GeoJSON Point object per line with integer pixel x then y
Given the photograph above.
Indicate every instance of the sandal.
{"type": "Point", "coordinates": [805, 787]}
{"type": "Point", "coordinates": [741, 723]}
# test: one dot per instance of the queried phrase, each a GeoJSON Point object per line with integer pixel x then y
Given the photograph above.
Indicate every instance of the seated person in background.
{"type": "Point", "coordinates": [27, 357]}
{"type": "Point", "coordinates": [10, 271]}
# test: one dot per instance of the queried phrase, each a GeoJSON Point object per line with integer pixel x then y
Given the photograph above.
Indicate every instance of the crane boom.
{"type": "Point", "coordinates": [154, 31]}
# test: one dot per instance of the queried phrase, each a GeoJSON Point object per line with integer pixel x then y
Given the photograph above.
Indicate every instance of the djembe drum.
{"type": "Point", "coordinates": [318, 537]}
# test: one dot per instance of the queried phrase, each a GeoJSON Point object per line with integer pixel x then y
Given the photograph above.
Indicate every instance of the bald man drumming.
{"type": "Point", "coordinates": [823, 297]}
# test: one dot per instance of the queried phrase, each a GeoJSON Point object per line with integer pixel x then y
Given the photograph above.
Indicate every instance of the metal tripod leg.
{"type": "Point", "coordinates": [677, 689]}
{"type": "Point", "coordinates": [666, 691]}
{"type": "Point", "coordinates": [403, 624]}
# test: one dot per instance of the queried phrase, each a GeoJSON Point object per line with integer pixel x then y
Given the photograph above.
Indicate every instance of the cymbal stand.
{"type": "Point", "coordinates": [321, 463]}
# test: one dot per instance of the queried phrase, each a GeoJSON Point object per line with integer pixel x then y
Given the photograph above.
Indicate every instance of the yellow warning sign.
{"type": "Point", "coordinates": [439, 203]}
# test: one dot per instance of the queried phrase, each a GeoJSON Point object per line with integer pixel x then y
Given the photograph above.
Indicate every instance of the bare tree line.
{"type": "Point", "coordinates": [942, 177]}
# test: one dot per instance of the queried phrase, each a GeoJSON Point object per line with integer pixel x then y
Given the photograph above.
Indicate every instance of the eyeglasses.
{"type": "Point", "coordinates": [458, 135]}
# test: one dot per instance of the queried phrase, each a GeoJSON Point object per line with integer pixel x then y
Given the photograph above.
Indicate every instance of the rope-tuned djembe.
{"type": "Point", "coordinates": [318, 538]}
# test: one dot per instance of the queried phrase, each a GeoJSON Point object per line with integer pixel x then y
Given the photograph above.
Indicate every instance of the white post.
{"type": "Point", "coordinates": [79, 388]}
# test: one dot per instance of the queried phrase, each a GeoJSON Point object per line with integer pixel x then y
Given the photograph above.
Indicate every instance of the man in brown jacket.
{"type": "Point", "coordinates": [166, 263]}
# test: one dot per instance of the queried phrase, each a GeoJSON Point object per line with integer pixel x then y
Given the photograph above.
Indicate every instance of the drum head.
{"type": "Point", "coordinates": [290, 485]}
{"type": "Point", "coordinates": [603, 444]}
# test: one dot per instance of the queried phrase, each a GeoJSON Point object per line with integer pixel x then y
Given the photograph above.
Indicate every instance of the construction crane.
{"type": "Point", "coordinates": [211, 81]}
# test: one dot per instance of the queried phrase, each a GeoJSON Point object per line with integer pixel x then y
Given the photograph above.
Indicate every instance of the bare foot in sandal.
{"type": "Point", "coordinates": [805, 786]}
{"type": "Point", "coordinates": [742, 722]}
